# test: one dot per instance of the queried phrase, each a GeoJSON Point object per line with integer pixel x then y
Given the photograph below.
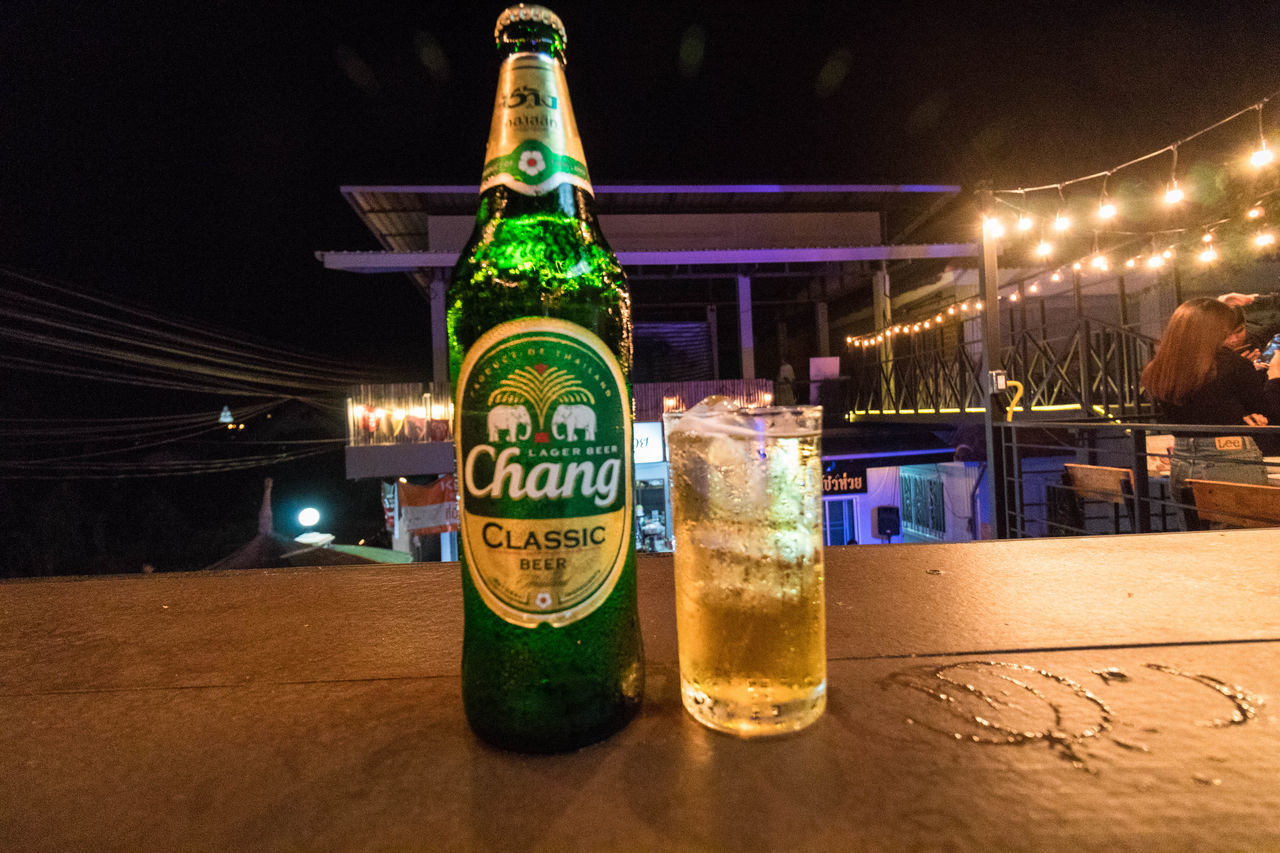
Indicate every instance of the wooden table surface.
{"type": "Point", "coordinates": [1117, 692]}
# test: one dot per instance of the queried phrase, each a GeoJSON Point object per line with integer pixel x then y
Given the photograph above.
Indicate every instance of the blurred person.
{"type": "Point", "coordinates": [1195, 378]}
{"type": "Point", "coordinates": [784, 387]}
{"type": "Point", "coordinates": [1261, 316]}
{"type": "Point", "coordinates": [1238, 339]}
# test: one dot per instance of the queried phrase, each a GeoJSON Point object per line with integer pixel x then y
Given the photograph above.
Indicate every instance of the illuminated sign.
{"type": "Point", "coordinates": [646, 441]}
{"type": "Point", "coordinates": [841, 478]}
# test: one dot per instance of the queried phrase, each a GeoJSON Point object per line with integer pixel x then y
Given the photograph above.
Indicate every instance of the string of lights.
{"type": "Point", "coordinates": [1216, 210]}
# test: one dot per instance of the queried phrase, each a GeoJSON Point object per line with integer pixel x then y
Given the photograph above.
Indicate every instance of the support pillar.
{"type": "Point", "coordinates": [745, 336]}
{"type": "Point", "coordinates": [439, 336]}
{"type": "Point", "coordinates": [713, 327]}
{"type": "Point", "coordinates": [823, 328]}
{"type": "Point", "coordinates": [882, 319]}
{"type": "Point", "coordinates": [993, 412]}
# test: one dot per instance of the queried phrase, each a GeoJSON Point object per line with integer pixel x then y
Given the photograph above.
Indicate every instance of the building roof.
{"type": "Point", "coordinates": [398, 215]}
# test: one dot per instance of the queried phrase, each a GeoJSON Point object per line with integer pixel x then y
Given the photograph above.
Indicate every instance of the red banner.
{"type": "Point", "coordinates": [428, 510]}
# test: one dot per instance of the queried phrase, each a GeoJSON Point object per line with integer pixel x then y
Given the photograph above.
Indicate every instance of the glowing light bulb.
{"type": "Point", "coordinates": [1264, 239]}
{"type": "Point", "coordinates": [848, 340]}
{"type": "Point", "coordinates": [1262, 156]}
{"type": "Point", "coordinates": [1044, 249]}
{"type": "Point", "coordinates": [1099, 262]}
{"type": "Point", "coordinates": [952, 310]}
{"type": "Point", "coordinates": [964, 306]}
{"type": "Point", "coordinates": [1024, 222]}
{"type": "Point", "coordinates": [1057, 276]}
{"type": "Point", "coordinates": [1255, 212]}
{"type": "Point", "coordinates": [1061, 222]}
{"type": "Point", "coordinates": [994, 227]}
{"type": "Point", "coordinates": [977, 306]}
{"type": "Point", "coordinates": [1208, 255]}
{"type": "Point", "coordinates": [1207, 238]}
{"type": "Point", "coordinates": [926, 324]}
{"type": "Point", "coordinates": [1167, 253]}
{"type": "Point", "coordinates": [1107, 210]}
{"type": "Point", "coordinates": [1174, 194]}
{"type": "Point", "coordinates": [1077, 266]}
{"type": "Point", "coordinates": [1131, 263]}
{"type": "Point", "coordinates": [1013, 297]}
{"type": "Point", "coordinates": [1035, 288]}
{"type": "Point", "coordinates": [1155, 261]}
{"type": "Point", "coordinates": [938, 319]}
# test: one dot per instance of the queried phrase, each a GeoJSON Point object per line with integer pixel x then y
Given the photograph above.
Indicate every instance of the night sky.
{"type": "Point", "coordinates": [188, 155]}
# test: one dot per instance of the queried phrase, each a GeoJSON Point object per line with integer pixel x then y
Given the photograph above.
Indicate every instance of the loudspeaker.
{"type": "Point", "coordinates": [888, 522]}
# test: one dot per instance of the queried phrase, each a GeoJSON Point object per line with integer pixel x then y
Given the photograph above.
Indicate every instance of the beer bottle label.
{"type": "Point", "coordinates": [543, 434]}
{"type": "Point", "coordinates": [533, 142]}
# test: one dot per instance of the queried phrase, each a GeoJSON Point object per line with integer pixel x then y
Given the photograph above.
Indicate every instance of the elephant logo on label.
{"type": "Point", "coordinates": [568, 420]}
{"type": "Point", "coordinates": [514, 420]}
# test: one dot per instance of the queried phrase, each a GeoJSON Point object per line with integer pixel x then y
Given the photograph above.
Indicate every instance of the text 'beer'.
{"type": "Point", "coordinates": [540, 351]}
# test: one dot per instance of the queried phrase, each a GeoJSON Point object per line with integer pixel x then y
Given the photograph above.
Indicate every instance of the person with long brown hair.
{"type": "Point", "coordinates": [1195, 378]}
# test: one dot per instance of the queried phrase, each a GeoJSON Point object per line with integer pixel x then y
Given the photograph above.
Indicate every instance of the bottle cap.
{"type": "Point", "coordinates": [522, 13]}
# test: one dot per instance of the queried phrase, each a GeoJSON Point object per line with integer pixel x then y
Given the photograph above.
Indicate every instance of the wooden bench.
{"type": "Point", "coordinates": [1236, 504]}
{"type": "Point", "coordinates": [1106, 484]}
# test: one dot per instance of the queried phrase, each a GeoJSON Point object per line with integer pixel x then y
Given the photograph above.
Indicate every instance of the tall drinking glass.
{"type": "Point", "coordinates": [746, 489]}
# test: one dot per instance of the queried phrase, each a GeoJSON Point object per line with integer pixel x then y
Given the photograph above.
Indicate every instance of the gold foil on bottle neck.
{"type": "Point", "coordinates": [532, 106]}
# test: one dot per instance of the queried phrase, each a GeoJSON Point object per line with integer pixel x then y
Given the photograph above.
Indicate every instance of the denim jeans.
{"type": "Point", "coordinates": [1231, 459]}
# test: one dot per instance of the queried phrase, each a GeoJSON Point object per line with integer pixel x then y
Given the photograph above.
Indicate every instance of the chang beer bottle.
{"type": "Point", "coordinates": [540, 351]}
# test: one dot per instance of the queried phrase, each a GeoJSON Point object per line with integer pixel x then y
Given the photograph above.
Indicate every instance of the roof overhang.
{"type": "Point", "coordinates": [376, 262]}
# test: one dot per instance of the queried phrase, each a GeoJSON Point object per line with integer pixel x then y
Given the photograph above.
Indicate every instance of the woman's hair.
{"type": "Point", "coordinates": [1184, 358]}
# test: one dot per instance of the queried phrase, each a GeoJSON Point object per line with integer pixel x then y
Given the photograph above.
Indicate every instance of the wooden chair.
{"type": "Point", "coordinates": [1102, 483]}
{"type": "Point", "coordinates": [1237, 504]}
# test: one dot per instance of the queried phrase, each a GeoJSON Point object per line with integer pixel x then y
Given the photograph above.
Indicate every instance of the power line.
{"type": "Point", "coordinates": [159, 352]}
{"type": "Point", "coordinates": [177, 468]}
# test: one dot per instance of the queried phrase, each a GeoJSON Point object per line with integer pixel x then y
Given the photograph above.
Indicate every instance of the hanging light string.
{"type": "Point", "coordinates": [1173, 146]}
{"type": "Point", "coordinates": [1162, 243]}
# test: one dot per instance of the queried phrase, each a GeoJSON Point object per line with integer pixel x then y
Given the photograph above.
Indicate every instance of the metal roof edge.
{"type": "Point", "coordinates": [393, 261]}
{"type": "Point", "coordinates": [634, 189]}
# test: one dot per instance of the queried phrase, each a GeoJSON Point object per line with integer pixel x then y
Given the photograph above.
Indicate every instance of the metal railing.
{"type": "Point", "coordinates": [1033, 498]}
{"type": "Point", "coordinates": [1086, 365]}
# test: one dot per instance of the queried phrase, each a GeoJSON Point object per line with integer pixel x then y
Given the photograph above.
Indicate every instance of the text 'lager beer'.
{"type": "Point", "coordinates": [539, 353]}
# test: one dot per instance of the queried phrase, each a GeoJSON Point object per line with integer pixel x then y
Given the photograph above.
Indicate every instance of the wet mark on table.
{"type": "Point", "coordinates": [1015, 704]}
{"type": "Point", "coordinates": [999, 703]}
{"type": "Point", "coordinates": [1244, 705]}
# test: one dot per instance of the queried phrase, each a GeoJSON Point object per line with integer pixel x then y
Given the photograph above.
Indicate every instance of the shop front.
{"type": "Point", "coordinates": [652, 496]}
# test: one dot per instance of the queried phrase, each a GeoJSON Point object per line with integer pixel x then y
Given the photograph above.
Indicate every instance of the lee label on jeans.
{"type": "Point", "coordinates": [1229, 442]}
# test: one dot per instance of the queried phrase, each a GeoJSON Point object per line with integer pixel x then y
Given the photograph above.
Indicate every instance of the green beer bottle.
{"type": "Point", "coordinates": [539, 325]}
